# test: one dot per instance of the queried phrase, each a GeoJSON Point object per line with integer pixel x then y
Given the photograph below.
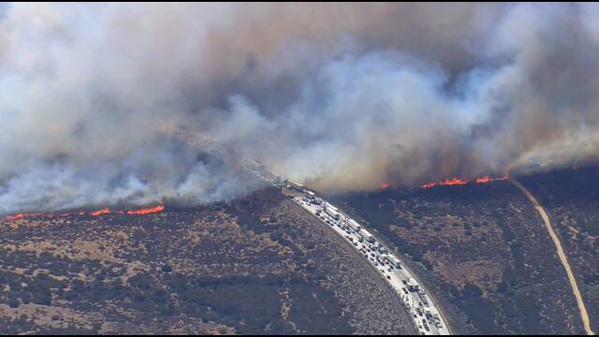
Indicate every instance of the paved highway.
{"type": "Point", "coordinates": [423, 310]}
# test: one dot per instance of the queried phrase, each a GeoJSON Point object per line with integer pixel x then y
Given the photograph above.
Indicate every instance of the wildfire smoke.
{"type": "Point", "coordinates": [339, 97]}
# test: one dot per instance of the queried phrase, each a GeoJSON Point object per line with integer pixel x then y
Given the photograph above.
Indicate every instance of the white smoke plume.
{"type": "Point", "coordinates": [339, 96]}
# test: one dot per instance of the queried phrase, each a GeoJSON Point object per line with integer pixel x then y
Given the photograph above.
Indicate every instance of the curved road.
{"type": "Point", "coordinates": [393, 278]}
{"type": "Point", "coordinates": [423, 310]}
{"type": "Point", "coordinates": [562, 256]}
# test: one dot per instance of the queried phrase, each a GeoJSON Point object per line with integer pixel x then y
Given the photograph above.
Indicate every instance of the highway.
{"type": "Point", "coordinates": [425, 314]}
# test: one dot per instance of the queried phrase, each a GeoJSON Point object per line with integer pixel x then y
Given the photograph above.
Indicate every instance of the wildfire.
{"type": "Point", "coordinates": [447, 182]}
{"type": "Point", "coordinates": [145, 211]}
{"type": "Point", "coordinates": [101, 212]}
{"type": "Point", "coordinates": [457, 181]}
{"type": "Point", "coordinates": [385, 186]}
{"type": "Point", "coordinates": [20, 216]}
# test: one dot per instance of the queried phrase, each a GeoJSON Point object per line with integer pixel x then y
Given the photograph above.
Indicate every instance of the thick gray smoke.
{"type": "Point", "coordinates": [339, 96]}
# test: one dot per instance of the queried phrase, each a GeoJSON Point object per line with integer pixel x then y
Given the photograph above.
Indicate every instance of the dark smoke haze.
{"type": "Point", "coordinates": [339, 96]}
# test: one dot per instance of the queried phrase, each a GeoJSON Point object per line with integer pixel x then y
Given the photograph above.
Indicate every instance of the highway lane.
{"type": "Point", "coordinates": [426, 315]}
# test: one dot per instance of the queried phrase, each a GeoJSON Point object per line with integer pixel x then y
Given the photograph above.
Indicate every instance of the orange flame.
{"type": "Point", "coordinates": [101, 212]}
{"type": "Point", "coordinates": [447, 182]}
{"type": "Point", "coordinates": [429, 185]}
{"type": "Point", "coordinates": [23, 216]}
{"type": "Point", "coordinates": [145, 211]}
{"type": "Point", "coordinates": [16, 217]}
{"type": "Point", "coordinates": [457, 181]}
{"type": "Point", "coordinates": [385, 186]}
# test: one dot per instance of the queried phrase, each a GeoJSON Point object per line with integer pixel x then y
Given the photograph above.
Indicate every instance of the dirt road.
{"type": "Point", "coordinates": [562, 256]}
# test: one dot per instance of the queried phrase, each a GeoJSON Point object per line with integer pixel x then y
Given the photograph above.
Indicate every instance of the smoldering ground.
{"type": "Point", "coordinates": [339, 96]}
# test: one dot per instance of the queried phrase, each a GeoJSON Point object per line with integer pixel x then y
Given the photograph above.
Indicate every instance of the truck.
{"type": "Point", "coordinates": [354, 225]}
{"type": "Point", "coordinates": [367, 236]}
{"type": "Point", "coordinates": [332, 211]}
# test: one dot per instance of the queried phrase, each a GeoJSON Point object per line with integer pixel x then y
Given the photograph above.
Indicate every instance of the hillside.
{"type": "Point", "coordinates": [259, 264]}
{"type": "Point", "coordinates": [485, 252]}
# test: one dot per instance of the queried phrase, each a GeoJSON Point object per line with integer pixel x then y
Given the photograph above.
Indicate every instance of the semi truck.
{"type": "Point", "coordinates": [332, 211]}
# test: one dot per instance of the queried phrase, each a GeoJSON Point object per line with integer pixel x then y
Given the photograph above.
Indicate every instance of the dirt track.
{"type": "Point", "coordinates": [562, 256]}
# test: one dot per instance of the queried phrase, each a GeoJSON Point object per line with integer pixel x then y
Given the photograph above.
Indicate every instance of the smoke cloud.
{"type": "Point", "coordinates": [338, 96]}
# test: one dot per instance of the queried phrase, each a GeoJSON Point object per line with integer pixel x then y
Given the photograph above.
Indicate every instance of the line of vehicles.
{"type": "Point", "coordinates": [423, 311]}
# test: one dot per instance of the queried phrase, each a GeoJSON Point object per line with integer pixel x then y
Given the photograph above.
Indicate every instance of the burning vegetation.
{"type": "Point", "coordinates": [458, 182]}
{"type": "Point", "coordinates": [146, 211]}
{"type": "Point", "coordinates": [385, 186]}
{"type": "Point", "coordinates": [454, 181]}
{"type": "Point", "coordinates": [105, 211]}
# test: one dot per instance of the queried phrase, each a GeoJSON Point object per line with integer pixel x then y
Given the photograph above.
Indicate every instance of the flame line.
{"type": "Point", "coordinates": [105, 211]}
{"type": "Point", "coordinates": [455, 181]}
